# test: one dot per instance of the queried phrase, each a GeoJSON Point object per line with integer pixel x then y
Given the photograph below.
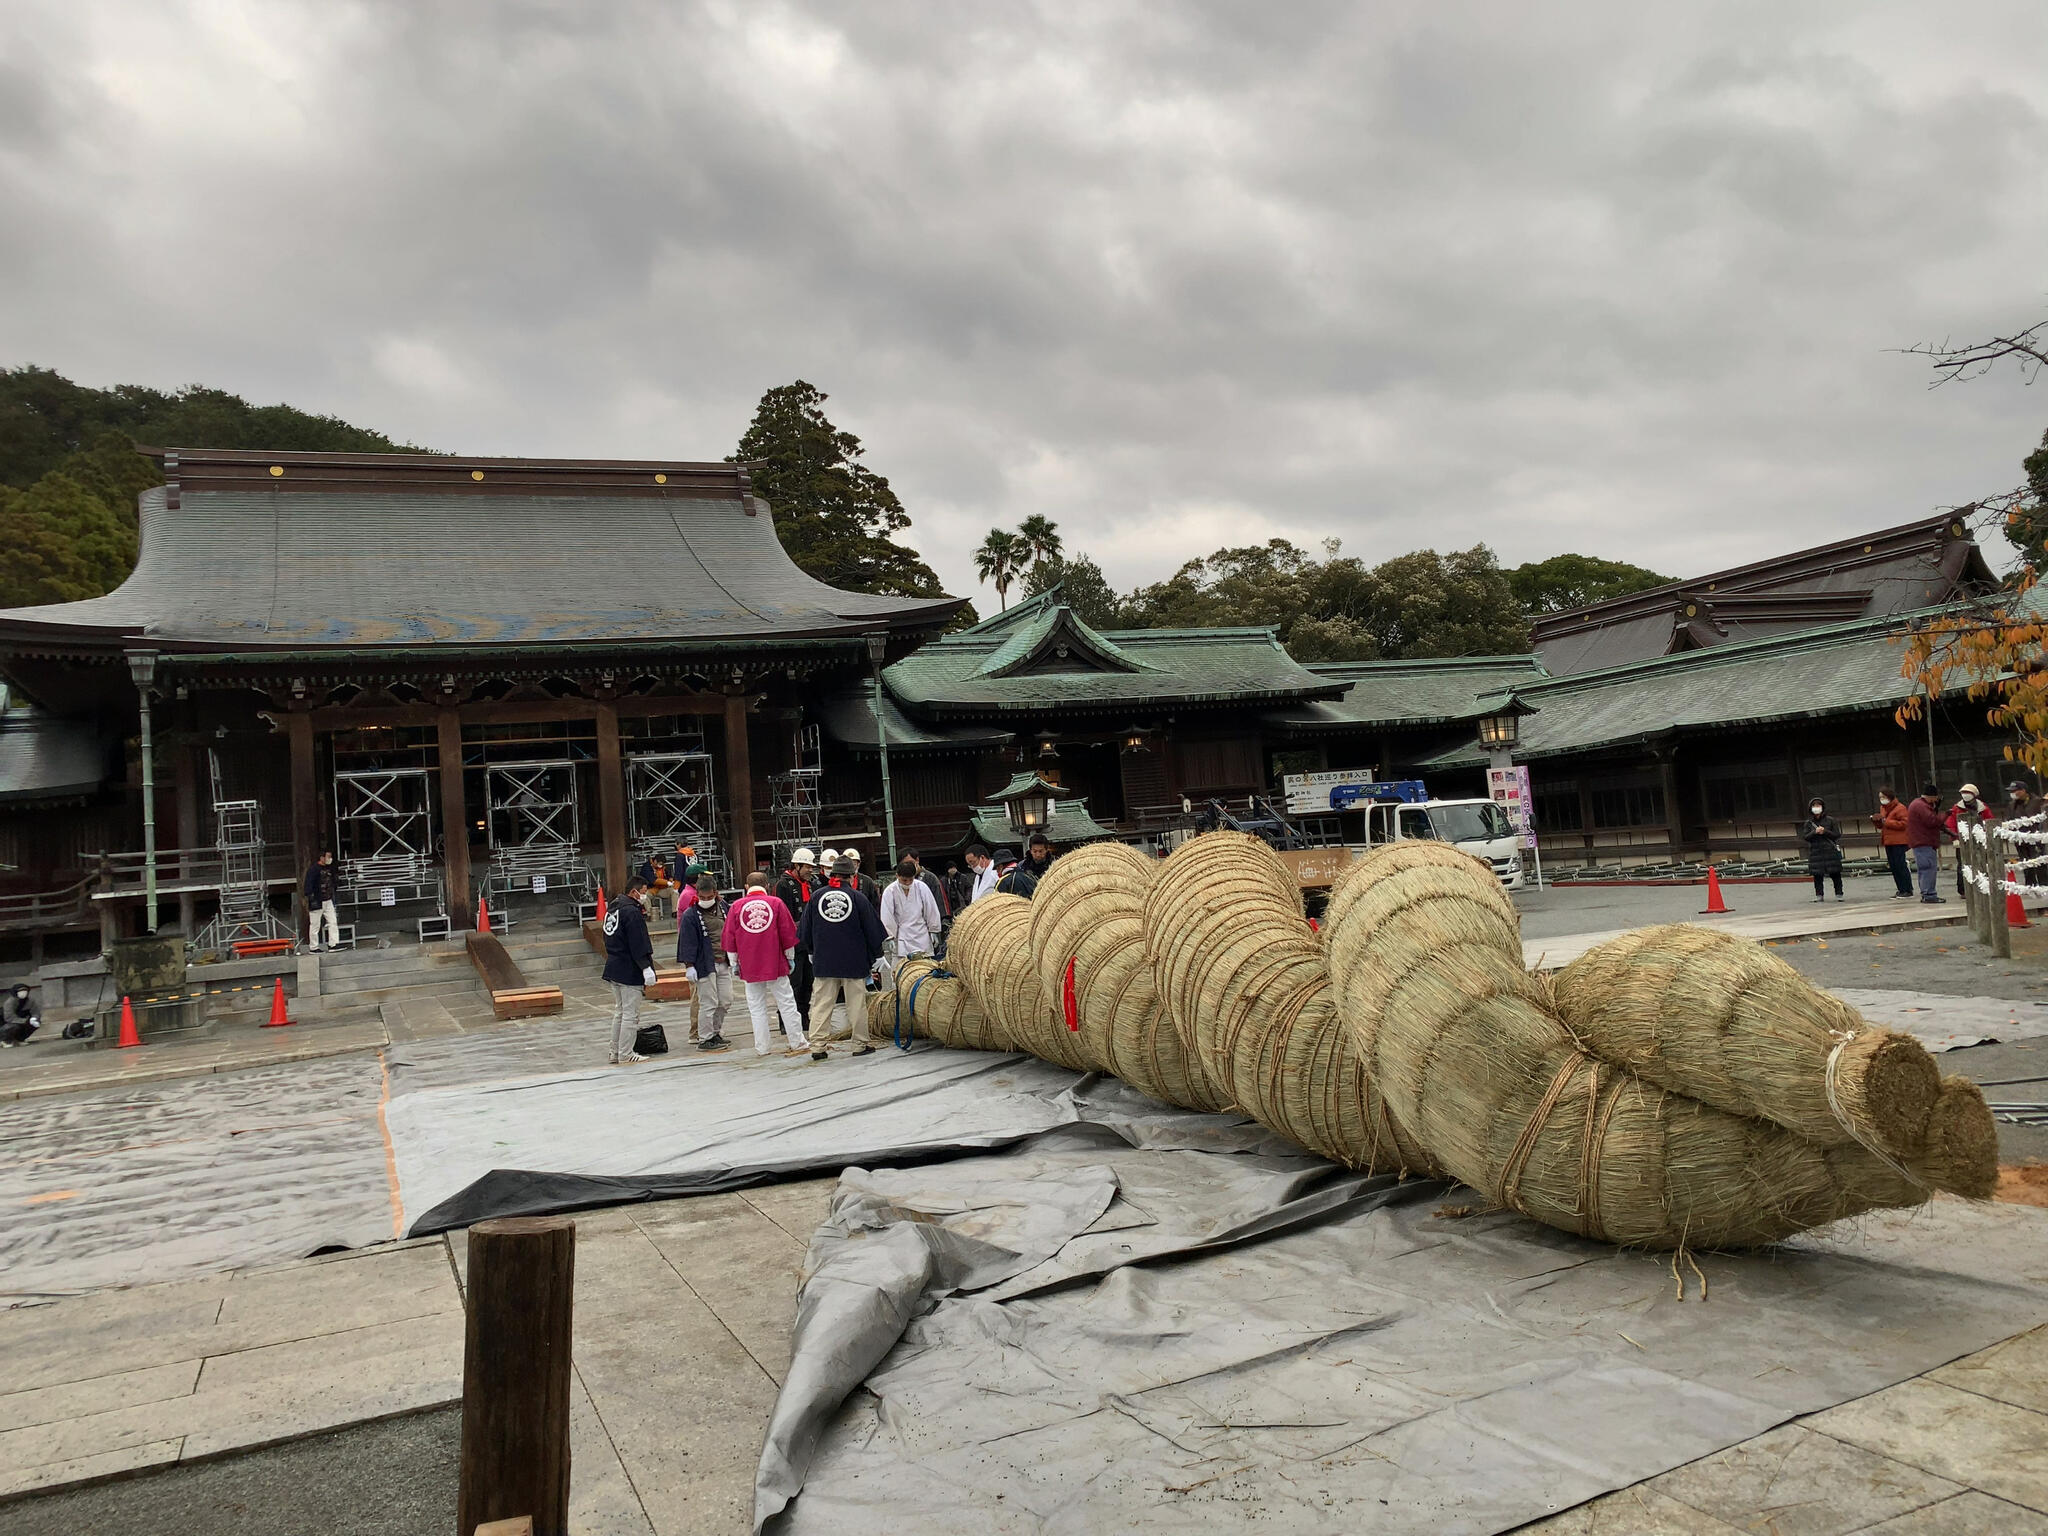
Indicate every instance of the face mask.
{"type": "Point", "coordinates": [1816, 810]}
{"type": "Point", "coordinates": [707, 902]}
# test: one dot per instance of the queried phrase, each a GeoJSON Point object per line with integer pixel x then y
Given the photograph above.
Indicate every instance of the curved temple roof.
{"type": "Point", "coordinates": [253, 551]}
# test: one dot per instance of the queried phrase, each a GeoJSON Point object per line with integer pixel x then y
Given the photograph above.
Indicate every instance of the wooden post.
{"type": "Point", "coordinates": [454, 818]}
{"type": "Point", "coordinates": [188, 833]}
{"type": "Point", "coordinates": [611, 797]}
{"type": "Point", "coordinates": [298, 727]}
{"type": "Point", "coordinates": [1980, 918]}
{"type": "Point", "coordinates": [515, 1374]}
{"type": "Point", "coordinates": [2001, 929]}
{"type": "Point", "coordinates": [739, 781]}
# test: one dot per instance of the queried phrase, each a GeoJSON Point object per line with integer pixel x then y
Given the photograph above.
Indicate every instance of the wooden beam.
{"type": "Point", "coordinates": [454, 818]}
{"type": "Point", "coordinates": [188, 830]}
{"type": "Point", "coordinates": [739, 782]}
{"type": "Point", "coordinates": [298, 727]}
{"type": "Point", "coordinates": [516, 711]}
{"type": "Point", "coordinates": [516, 1372]}
{"type": "Point", "coordinates": [611, 797]}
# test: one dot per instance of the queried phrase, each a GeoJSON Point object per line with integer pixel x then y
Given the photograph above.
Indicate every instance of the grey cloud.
{"type": "Point", "coordinates": [1555, 277]}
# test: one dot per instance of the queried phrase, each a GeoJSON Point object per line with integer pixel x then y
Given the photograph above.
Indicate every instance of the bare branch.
{"type": "Point", "coordinates": [2029, 347]}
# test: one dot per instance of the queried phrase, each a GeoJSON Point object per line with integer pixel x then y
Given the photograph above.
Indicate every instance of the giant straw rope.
{"type": "Point", "coordinates": [1677, 1086]}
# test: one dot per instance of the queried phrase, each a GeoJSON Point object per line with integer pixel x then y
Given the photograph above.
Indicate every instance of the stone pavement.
{"type": "Point", "coordinates": [684, 1311]}
{"type": "Point", "coordinates": [1809, 919]}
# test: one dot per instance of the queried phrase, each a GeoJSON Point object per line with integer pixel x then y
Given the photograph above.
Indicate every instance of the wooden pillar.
{"type": "Point", "coordinates": [454, 818]}
{"type": "Point", "coordinates": [188, 832]}
{"type": "Point", "coordinates": [305, 801]}
{"type": "Point", "coordinates": [739, 782]}
{"type": "Point", "coordinates": [1674, 819]}
{"type": "Point", "coordinates": [611, 796]}
{"type": "Point", "coordinates": [516, 1373]}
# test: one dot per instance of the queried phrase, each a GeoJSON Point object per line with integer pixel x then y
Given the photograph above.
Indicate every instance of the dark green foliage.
{"type": "Point", "coordinates": [45, 418]}
{"type": "Point", "coordinates": [1340, 609]}
{"type": "Point", "coordinates": [1572, 581]}
{"type": "Point", "coordinates": [1083, 588]}
{"type": "Point", "coordinates": [2027, 526]}
{"type": "Point", "coordinates": [833, 514]}
{"type": "Point", "coordinates": [69, 473]}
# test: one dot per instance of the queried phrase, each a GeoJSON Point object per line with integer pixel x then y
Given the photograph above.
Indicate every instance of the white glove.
{"type": "Point", "coordinates": [732, 962]}
{"type": "Point", "coordinates": [648, 975]}
{"type": "Point", "coordinates": [689, 973]}
{"type": "Point", "coordinates": [789, 955]}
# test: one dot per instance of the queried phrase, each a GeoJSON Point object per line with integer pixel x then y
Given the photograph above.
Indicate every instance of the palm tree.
{"type": "Point", "coordinates": [1040, 537]}
{"type": "Point", "coordinates": [999, 560]}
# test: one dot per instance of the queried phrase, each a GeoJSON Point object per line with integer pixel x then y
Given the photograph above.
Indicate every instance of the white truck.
{"type": "Point", "coordinates": [1479, 827]}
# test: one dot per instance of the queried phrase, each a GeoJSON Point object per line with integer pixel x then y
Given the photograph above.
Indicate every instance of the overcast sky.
{"type": "Point", "coordinates": [1619, 279]}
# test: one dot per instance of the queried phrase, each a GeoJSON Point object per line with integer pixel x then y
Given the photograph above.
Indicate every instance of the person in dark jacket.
{"type": "Point", "coordinates": [698, 917]}
{"type": "Point", "coordinates": [937, 887]}
{"type": "Point", "coordinates": [628, 966]}
{"type": "Point", "coordinates": [17, 1017]}
{"type": "Point", "coordinates": [845, 940]}
{"type": "Point", "coordinates": [322, 881]}
{"type": "Point", "coordinates": [959, 887]}
{"type": "Point", "coordinates": [1924, 833]}
{"type": "Point", "coordinates": [798, 883]}
{"type": "Point", "coordinates": [1823, 840]}
{"type": "Point", "coordinates": [1012, 878]}
{"type": "Point", "coordinates": [864, 882]}
{"type": "Point", "coordinates": [1037, 858]}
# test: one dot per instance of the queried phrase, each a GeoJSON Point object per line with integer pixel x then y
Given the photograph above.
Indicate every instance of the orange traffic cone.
{"type": "Point", "coordinates": [277, 1013]}
{"type": "Point", "coordinates": [130, 1035]}
{"type": "Point", "coordinates": [1714, 901]}
{"type": "Point", "coordinates": [2015, 909]}
{"type": "Point", "coordinates": [483, 915]}
{"type": "Point", "coordinates": [600, 903]}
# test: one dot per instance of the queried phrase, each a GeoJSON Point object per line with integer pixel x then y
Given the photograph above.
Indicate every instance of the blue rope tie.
{"type": "Point", "coordinates": [896, 1030]}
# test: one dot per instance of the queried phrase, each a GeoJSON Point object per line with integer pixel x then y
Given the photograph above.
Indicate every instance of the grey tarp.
{"type": "Point", "coordinates": [1399, 1366]}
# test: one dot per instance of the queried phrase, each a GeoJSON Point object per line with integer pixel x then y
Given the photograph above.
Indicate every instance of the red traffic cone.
{"type": "Point", "coordinates": [483, 915]}
{"type": "Point", "coordinates": [600, 903]}
{"type": "Point", "coordinates": [277, 1013]}
{"type": "Point", "coordinates": [130, 1035]}
{"type": "Point", "coordinates": [1714, 901]}
{"type": "Point", "coordinates": [2015, 909]}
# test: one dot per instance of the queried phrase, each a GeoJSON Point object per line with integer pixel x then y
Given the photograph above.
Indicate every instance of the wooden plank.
{"type": "Point", "coordinates": [516, 1374]}
{"type": "Point", "coordinates": [670, 985]}
{"type": "Point", "coordinates": [1317, 868]}
{"type": "Point", "coordinates": [526, 1003]}
{"type": "Point", "coordinates": [488, 955]}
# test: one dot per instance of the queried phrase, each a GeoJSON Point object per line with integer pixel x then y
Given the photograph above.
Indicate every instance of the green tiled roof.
{"type": "Point", "coordinates": [1845, 669]}
{"type": "Point", "coordinates": [1381, 694]}
{"type": "Point", "coordinates": [1071, 824]}
{"type": "Point", "coordinates": [849, 718]}
{"type": "Point", "coordinates": [1007, 666]}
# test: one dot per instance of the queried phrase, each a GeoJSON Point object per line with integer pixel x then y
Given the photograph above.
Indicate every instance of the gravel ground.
{"type": "Point", "coordinates": [393, 1477]}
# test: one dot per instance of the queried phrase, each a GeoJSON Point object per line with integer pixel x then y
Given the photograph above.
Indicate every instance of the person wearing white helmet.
{"type": "Point", "coordinates": [862, 882]}
{"type": "Point", "coordinates": [794, 890]}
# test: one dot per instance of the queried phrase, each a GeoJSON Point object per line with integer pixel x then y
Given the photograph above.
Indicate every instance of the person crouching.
{"type": "Point", "coordinates": [760, 941]}
{"type": "Point", "coordinates": [844, 936]}
{"type": "Point", "coordinates": [710, 979]}
{"type": "Point", "coordinates": [628, 966]}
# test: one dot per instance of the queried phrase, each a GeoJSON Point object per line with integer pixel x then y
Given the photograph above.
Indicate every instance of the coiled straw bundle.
{"type": "Point", "coordinates": [1674, 1090]}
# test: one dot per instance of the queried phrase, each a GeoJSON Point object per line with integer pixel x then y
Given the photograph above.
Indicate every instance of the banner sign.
{"type": "Point", "coordinates": [1308, 794]}
{"type": "Point", "coordinates": [1509, 788]}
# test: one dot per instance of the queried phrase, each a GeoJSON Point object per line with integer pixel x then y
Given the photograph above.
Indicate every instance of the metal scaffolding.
{"type": "Point", "coordinates": [244, 897]}
{"type": "Point", "coordinates": [672, 799]}
{"type": "Point", "coordinates": [384, 838]}
{"type": "Point", "coordinates": [535, 832]}
{"type": "Point", "coordinates": [794, 797]}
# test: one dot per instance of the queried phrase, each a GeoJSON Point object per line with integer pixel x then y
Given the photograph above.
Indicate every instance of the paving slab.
{"type": "Point", "coordinates": [2014, 1372]}
{"type": "Point", "coordinates": [1807, 921]}
{"type": "Point", "coordinates": [100, 1394]}
{"type": "Point", "coordinates": [739, 1263]}
{"type": "Point", "coordinates": [1794, 1482]}
{"type": "Point", "coordinates": [1967, 1514]}
{"type": "Point", "coordinates": [1972, 1440]}
{"type": "Point", "coordinates": [1640, 1511]}
{"type": "Point", "coordinates": [171, 1060]}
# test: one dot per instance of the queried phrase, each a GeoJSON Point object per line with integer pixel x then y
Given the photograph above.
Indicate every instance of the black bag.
{"type": "Point", "coordinates": [651, 1041]}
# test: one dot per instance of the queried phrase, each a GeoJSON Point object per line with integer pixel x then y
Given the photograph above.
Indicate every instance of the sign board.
{"type": "Point", "coordinates": [540, 885]}
{"type": "Point", "coordinates": [1509, 788]}
{"type": "Point", "coordinates": [1308, 794]}
{"type": "Point", "coordinates": [1316, 868]}
{"type": "Point", "coordinates": [387, 896]}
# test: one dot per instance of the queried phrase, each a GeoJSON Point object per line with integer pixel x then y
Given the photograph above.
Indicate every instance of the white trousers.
{"type": "Point", "coordinates": [325, 913]}
{"type": "Point", "coordinates": [827, 992]}
{"type": "Point", "coordinates": [759, 995]}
